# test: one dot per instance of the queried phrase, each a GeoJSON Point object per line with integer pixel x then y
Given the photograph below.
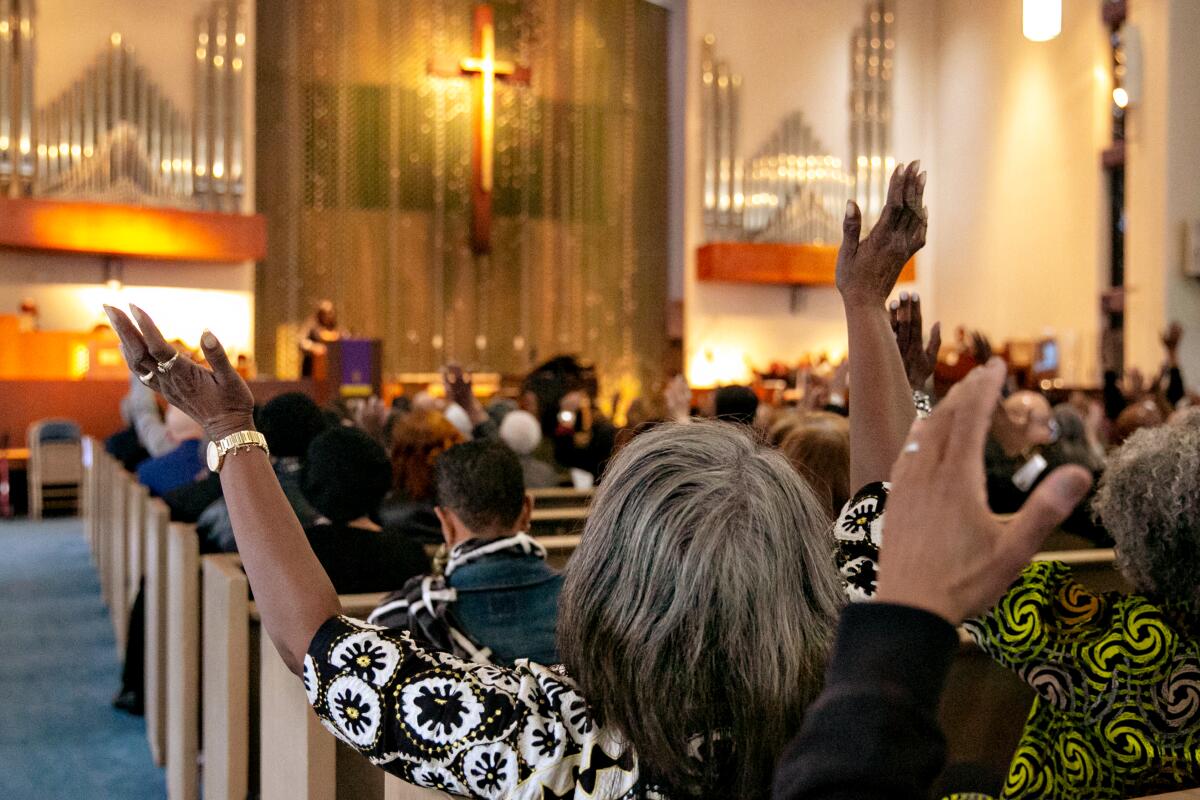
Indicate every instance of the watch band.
{"type": "Point", "coordinates": [235, 442]}
{"type": "Point", "coordinates": [923, 403]}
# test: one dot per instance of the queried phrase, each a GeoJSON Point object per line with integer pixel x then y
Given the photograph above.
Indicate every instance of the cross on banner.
{"type": "Point", "coordinates": [483, 69]}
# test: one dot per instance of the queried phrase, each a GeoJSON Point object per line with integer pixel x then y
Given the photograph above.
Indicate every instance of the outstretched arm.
{"type": "Point", "coordinates": [882, 408]}
{"type": "Point", "coordinates": [291, 589]}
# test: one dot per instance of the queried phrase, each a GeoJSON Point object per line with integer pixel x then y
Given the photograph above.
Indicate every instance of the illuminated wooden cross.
{"type": "Point", "coordinates": [484, 70]}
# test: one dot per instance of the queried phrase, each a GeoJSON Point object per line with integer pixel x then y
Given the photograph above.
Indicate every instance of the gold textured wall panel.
{"type": "Point", "coordinates": [364, 176]}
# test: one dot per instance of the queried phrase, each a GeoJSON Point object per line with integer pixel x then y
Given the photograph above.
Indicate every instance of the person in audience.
{"type": "Point", "coordinates": [181, 465]}
{"type": "Point", "coordinates": [418, 439]}
{"type": "Point", "coordinates": [1144, 413]}
{"type": "Point", "coordinates": [502, 602]}
{"type": "Point", "coordinates": [694, 619]}
{"type": "Point", "coordinates": [289, 422]}
{"type": "Point", "coordinates": [873, 733]}
{"type": "Point", "coordinates": [737, 404]}
{"type": "Point", "coordinates": [819, 449]}
{"type": "Point", "coordinates": [1113, 712]}
{"type": "Point", "coordinates": [521, 432]}
{"type": "Point", "coordinates": [345, 477]}
{"type": "Point", "coordinates": [561, 393]}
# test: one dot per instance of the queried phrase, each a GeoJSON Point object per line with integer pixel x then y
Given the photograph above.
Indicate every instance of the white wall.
{"type": "Point", "coordinates": [1018, 196]}
{"type": "Point", "coordinates": [1009, 130]}
{"type": "Point", "coordinates": [792, 54]}
{"type": "Point", "coordinates": [184, 297]}
{"type": "Point", "coordinates": [1163, 176]}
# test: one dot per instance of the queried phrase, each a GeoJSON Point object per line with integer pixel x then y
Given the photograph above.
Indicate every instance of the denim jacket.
{"type": "Point", "coordinates": [509, 604]}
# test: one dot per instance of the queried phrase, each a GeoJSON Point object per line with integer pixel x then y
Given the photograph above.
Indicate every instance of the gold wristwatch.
{"type": "Point", "coordinates": [242, 440]}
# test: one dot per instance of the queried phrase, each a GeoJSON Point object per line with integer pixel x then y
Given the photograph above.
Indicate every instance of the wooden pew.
{"type": "Point", "coordinates": [182, 688]}
{"type": "Point", "coordinates": [227, 677]}
{"type": "Point", "coordinates": [137, 506]}
{"type": "Point", "coordinates": [118, 558]}
{"type": "Point", "coordinates": [87, 492]}
{"type": "Point", "coordinates": [561, 498]}
{"type": "Point", "coordinates": [556, 521]}
{"type": "Point", "coordinates": [155, 548]}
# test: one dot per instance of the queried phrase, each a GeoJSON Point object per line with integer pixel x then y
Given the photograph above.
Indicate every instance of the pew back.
{"type": "Point", "coordinates": [155, 597]}
{"type": "Point", "coordinates": [183, 662]}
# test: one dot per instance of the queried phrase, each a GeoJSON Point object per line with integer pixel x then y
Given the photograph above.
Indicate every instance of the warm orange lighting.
{"type": "Point", "coordinates": [155, 233]}
{"type": "Point", "coordinates": [1041, 20]}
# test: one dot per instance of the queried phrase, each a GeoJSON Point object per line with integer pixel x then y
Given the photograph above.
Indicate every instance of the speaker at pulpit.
{"type": "Point", "coordinates": [349, 367]}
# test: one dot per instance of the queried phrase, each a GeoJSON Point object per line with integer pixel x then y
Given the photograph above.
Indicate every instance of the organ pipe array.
{"type": "Point", "coordinates": [114, 134]}
{"type": "Point", "coordinates": [793, 188]}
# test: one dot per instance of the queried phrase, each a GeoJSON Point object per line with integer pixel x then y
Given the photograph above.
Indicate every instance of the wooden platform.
{"type": "Point", "coordinates": [776, 264]}
{"type": "Point", "coordinates": [131, 231]}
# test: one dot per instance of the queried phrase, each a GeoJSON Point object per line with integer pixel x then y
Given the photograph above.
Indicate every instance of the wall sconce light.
{"type": "Point", "coordinates": [1042, 20]}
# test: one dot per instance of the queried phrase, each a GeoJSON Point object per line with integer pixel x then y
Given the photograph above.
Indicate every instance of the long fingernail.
{"type": "Point", "coordinates": [903, 296]}
{"type": "Point", "coordinates": [894, 305]}
{"type": "Point", "coordinates": [915, 166]}
{"type": "Point", "coordinates": [108, 311]}
{"type": "Point", "coordinates": [849, 207]}
{"type": "Point", "coordinates": [208, 340]}
{"type": "Point", "coordinates": [916, 298]}
{"type": "Point", "coordinates": [921, 179]}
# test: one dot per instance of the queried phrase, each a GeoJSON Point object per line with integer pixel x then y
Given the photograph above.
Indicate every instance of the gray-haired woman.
{"type": "Point", "coordinates": [695, 618]}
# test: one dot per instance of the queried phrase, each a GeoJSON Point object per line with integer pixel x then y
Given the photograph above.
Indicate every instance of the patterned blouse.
{"type": "Point", "coordinates": [1117, 710]}
{"type": "Point", "coordinates": [470, 729]}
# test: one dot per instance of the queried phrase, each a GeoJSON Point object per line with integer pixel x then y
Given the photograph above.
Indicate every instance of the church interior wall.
{"type": "Point", "coordinates": [185, 297]}
{"type": "Point", "coordinates": [792, 55]}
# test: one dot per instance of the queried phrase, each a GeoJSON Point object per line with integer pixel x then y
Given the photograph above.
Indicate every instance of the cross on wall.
{"type": "Point", "coordinates": [484, 70]}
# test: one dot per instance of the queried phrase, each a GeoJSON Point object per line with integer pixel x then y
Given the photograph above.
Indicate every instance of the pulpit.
{"type": "Point", "coordinates": [349, 367]}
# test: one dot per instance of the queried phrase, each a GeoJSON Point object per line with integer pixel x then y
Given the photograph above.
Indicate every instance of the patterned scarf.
{"type": "Point", "coordinates": [425, 603]}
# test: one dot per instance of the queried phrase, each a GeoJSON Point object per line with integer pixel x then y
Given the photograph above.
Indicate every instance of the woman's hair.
{"type": "Point", "coordinates": [701, 603]}
{"type": "Point", "coordinates": [346, 474]}
{"type": "Point", "coordinates": [418, 439]}
{"type": "Point", "coordinates": [819, 449]}
{"type": "Point", "coordinates": [1149, 501]}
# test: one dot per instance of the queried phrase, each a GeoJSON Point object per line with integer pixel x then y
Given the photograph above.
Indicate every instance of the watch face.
{"type": "Point", "coordinates": [213, 457]}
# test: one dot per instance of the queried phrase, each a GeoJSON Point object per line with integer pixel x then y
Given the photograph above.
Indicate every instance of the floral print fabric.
{"type": "Point", "coordinates": [469, 729]}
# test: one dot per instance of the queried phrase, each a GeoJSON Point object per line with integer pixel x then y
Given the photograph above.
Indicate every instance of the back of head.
{"type": "Point", "coordinates": [819, 449]}
{"type": "Point", "coordinates": [482, 483]}
{"type": "Point", "coordinates": [736, 404]}
{"type": "Point", "coordinates": [701, 599]}
{"type": "Point", "coordinates": [1149, 502]}
{"type": "Point", "coordinates": [290, 422]}
{"type": "Point", "coordinates": [346, 474]}
{"type": "Point", "coordinates": [418, 439]}
{"type": "Point", "coordinates": [1142, 414]}
{"type": "Point", "coordinates": [520, 431]}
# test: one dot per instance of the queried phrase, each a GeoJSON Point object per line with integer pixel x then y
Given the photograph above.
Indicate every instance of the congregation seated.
{"type": "Point", "coordinates": [289, 422]}
{"type": "Point", "coordinates": [495, 599]}
{"type": "Point", "coordinates": [345, 477]}
{"type": "Point", "coordinates": [418, 438]}
{"type": "Point", "coordinates": [737, 404]}
{"type": "Point", "coordinates": [182, 464]}
{"type": "Point", "coordinates": [666, 682]}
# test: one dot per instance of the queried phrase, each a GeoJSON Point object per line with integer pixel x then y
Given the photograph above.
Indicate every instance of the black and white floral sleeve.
{"type": "Point", "coordinates": [468, 729]}
{"type": "Point", "coordinates": [857, 533]}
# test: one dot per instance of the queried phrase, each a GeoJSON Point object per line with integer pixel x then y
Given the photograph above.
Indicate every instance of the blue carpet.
{"type": "Point", "coordinates": [59, 737]}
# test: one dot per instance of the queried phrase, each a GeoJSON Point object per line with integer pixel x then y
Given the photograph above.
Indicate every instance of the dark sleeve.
{"type": "Point", "coordinates": [188, 502]}
{"type": "Point", "coordinates": [1175, 388]}
{"type": "Point", "coordinates": [488, 429]}
{"type": "Point", "coordinates": [1114, 398]}
{"type": "Point", "coordinates": [873, 730]}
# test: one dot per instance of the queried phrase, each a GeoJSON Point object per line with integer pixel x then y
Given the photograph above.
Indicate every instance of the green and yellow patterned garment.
{"type": "Point", "coordinates": [1117, 711]}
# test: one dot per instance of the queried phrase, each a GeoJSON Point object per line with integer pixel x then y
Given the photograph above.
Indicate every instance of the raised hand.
{"type": "Point", "coordinates": [867, 270]}
{"type": "Point", "coordinates": [216, 398]}
{"type": "Point", "coordinates": [678, 397]}
{"type": "Point", "coordinates": [460, 389]}
{"type": "Point", "coordinates": [919, 359]}
{"type": "Point", "coordinates": [943, 550]}
{"type": "Point", "coordinates": [1171, 338]}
